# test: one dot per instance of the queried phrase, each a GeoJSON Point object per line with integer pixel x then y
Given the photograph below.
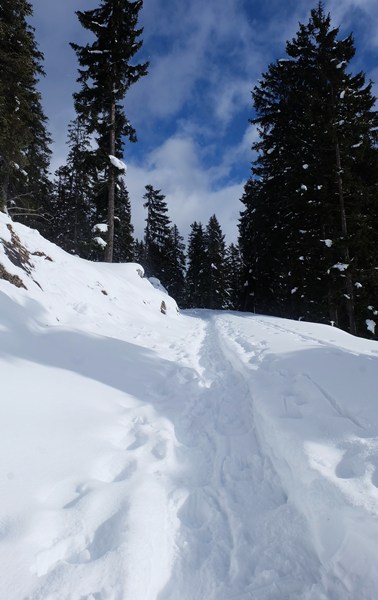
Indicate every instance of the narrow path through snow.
{"type": "Point", "coordinates": [239, 537]}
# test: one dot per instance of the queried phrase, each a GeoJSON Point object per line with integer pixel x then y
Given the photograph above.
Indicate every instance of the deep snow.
{"type": "Point", "coordinates": [195, 456]}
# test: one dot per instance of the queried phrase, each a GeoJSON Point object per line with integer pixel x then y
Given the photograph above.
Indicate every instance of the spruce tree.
{"type": "Point", "coordinates": [73, 209]}
{"type": "Point", "coordinates": [174, 276]}
{"type": "Point", "coordinates": [123, 234]}
{"type": "Point", "coordinates": [196, 277]}
{"type": "Point", "coordinates": [233, 268]}
{"type": "Point", "coordinates": [139, 252]}
{"type": "Point", "coordinates": [215, 294]}
{"type": "Point", "coordinates": [157, 234]}
{"type": "Point", "coordinates": [107, 72]}
{"type": "Point", "coordinates": [311, 197]}
{"type": "Point", "coordinates": [24, 151]}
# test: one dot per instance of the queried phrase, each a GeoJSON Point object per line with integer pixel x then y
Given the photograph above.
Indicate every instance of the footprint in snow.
{"type": "Point", "coordinates": [139, 441]}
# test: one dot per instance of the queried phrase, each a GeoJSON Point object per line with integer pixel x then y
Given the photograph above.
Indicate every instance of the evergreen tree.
{"type": "Point", "coordinates": [174, 276]}
{"type": "Point", "coordinates": [215, 294]}
{"type": "Point", "coordinates": [73, 209]}
{"type": "Point", "coordinates": [157, 234]}
{"type": "Point", "coordinates": [106, 74]}
{"type": "Point", "coordinates": [196, 277]}
{"type": "Point", "coordinates": [123, 235]}
{"type": "Point", "coordinates": [139, 252]}
{"type": "Point", "coordinates": [24, 151]}
{"type": "Point", "coordinates": [311, 198]}
{"type": "Point", "coordinates": [233, 277]}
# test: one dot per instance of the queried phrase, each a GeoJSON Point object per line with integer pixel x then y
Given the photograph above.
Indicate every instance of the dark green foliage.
{"type": "Point", "coordinates": [215, 292]}
{"type": "Point", "coordinates": [196, 277]}
{"type": "Point", "coordinates": [139, 252]}
{"type": "Point", "coordinates": [233, 268]}
{"type": "Point", "coordinates": [24, 151]}
{"type": "Point", "coordinates": [106, 73]}
{"type": "Point", "coordinates": [157, 234]}
{"type": "Point", "coordinates": [174, 275]}
{"type": "Point", "coordinates": [206, 279]}
{"type": "Point", "coordinates": [123, 230]}
{"type": "Point", "coordinates": [73, 210]}
{"type": "Point", "coordinates": [311, 203]}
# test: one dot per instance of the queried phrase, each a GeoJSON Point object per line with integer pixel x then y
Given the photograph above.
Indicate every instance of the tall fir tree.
{"type": "Point", "coordinates": [174, 276]}
{"type": "Point", "coordinates": [233, 268]}
{"type": "Point", "coordinates": [196, 276]}
{"type": "Point", "coordinates": [157, 234]}
{"type": "Point", "coordinates": [215, 293]}
{"type": "Point", "coordinates": [73, 209]}
{"type": "Point", "coordinates": [106, 74]}
{"type": "Point", "coordinates": [124, 230]}
{"type": "Point", "coordinates": [308, 206]}
{"type": "Point", "coordinates": [24, 141]}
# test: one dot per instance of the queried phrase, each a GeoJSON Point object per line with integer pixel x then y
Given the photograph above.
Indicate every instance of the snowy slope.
{"type": "Point", "coordinates": [197, 456]}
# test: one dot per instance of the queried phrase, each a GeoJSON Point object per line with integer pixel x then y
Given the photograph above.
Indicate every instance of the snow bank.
{"type": "Point", "coordinates": [313, 389]}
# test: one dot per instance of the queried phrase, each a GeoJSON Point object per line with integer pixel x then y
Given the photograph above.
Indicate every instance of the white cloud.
{"type": "Point", "coordinates": [192, 191]}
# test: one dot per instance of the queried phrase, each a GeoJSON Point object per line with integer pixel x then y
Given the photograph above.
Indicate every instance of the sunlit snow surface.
{"type": "Point", "coordinates": [194, 456]}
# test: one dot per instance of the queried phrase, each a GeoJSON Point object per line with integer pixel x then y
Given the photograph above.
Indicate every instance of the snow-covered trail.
{"type": "Point", "coordinates": [215, 456]}
{"type": "Point", "coordinates": [314, 397]}
{"type": "Point", "coordinates": [235, 517]}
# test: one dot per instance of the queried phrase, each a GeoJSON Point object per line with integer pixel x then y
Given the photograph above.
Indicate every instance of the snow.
{"type": "Point", "coordinates": [100, 242]}
{"type": "Point", "coordinates": [117, 163]}
{"type": "Point", "coordinates": [101, 227]}
{"type": "Point", "coordinates": [328, 243]}
{"type": "Point", "coordinates": [371, 325]}
{"type": "Point", "coordinates": [340, 266]}
{"type": "Point", "coordinates": [195, 456]}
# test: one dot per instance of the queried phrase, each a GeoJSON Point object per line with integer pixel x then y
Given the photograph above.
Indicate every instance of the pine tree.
{"type": "Point", "coordinates": [215, 295]}
{"type": "Point", "coordinates": [196, 277]}
{"type": "Point", "coordinates": [106, 74]}
{"type": "Point", "coordinates": [139, 252]}
{"type": "Point", "coordinates": [73, 209]}
{"type": "Point", "coordinates": [310, 197]}
{"type": "Point", "coordinates": [157, 234]}
{"type": "Point", "coordinates": [233, 268]}
{"type": "Point", "coordinates": [24, 151]}
{"type": "Point", "coordinates": [123, 235]}
{"type": "Point", "coordinates": [174, 276]}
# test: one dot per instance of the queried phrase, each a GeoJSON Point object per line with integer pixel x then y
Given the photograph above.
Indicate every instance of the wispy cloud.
{"type": "Point", "coordinates": [192, 191]}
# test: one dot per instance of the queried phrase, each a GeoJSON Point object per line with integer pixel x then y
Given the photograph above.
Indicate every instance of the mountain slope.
{"type": "Point", "coordinates": [191, 456]}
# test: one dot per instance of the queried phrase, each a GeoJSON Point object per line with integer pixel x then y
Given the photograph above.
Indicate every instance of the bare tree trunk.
{"type": "Point", "coordinates": [111, 189]}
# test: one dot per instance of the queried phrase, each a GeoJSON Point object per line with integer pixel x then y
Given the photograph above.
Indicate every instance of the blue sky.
{"type": "Point", "coordinates": [191, 111]}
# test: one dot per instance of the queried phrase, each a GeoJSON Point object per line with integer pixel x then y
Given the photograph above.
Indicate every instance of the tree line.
{"type": "Point", "coordinates": [307, 247]}
{"type": "Point", "coordinates": [309, 229]}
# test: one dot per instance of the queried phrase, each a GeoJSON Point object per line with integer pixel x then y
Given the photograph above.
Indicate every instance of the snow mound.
{"type": "Point", "coordinates": [66, 287]}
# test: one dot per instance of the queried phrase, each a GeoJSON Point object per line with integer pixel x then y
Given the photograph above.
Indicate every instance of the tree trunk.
{"type": "Point", "coordinates": [111, 189]}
